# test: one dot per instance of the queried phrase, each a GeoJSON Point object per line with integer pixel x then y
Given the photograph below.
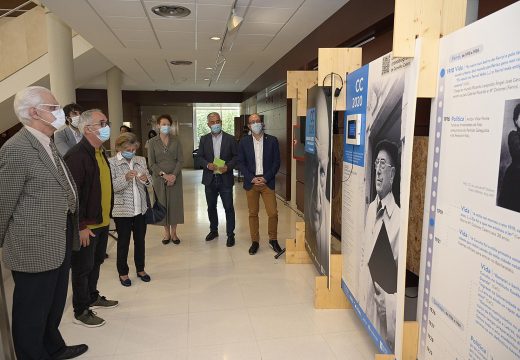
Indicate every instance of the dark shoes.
{"type": "Point", "coordinates": [103, 302]}
{"type": "Point", "coordinates": [126, 282]}
{"type": "Point", "coordinates": [145, 277]}
{"type": "Point", "coordinates": [254, 248]}
{"type": "Point", "coordinates": [166, 241]}
{"type": "Point", "coordinates": [230, 241]}
{"type": "Point", "coordinates": [70, 352]}
{"type": "Point", "coordinates": [275, 246]}
{"type": "Point", "coordinates": [176, 241]}
{"type": "Point", "coordinates": [212, 235]}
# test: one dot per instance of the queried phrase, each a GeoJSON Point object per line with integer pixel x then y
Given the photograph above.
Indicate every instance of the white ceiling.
{"type": "Point", "coordinates": [141, 43]}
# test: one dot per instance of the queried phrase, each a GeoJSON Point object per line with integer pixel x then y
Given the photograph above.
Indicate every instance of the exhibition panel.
{"type": "Point", "coordinates": [381, 98]}
{"type": "Point", "coordinates": [318, 177]}
{"type": "Point", "coordinates": [470, 265]}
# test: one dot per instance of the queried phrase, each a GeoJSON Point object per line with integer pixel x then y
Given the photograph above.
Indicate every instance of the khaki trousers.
{"type": "Point", "coordinates": [253, 203]}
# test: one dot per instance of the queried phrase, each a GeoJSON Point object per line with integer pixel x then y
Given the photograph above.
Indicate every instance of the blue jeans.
{"type": "Point", "coordinates": [213, 190]}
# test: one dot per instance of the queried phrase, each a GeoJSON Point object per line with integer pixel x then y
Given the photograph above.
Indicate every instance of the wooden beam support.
{"type": "Point", "coordinates": [429, 20]}
{"type": "Point", "coordinates": [340, 61]}
{"type": "Point", "coordinates": [295, 252]}
{"type": "Point", "coordinates": [410, 342]}
{"type": "Point", "coordinates": [297, 84]}
{"type": "Point", "coordinates": [331, 297]}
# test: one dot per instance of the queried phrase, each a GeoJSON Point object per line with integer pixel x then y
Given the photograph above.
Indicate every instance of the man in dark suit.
{"type": "Point", "coordinates": [259, 161]}
{"type": "Point", "coordinates": [68, 136]}
{"type": "Point", "coordinates": [38, 227]}
{"type": "Point", "coordinates": [217, 178]}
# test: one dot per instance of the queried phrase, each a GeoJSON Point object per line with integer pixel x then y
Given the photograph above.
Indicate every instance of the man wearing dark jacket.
{"type": "Point", "coordinates": [259, 161]}
{"type": "Point", "coordinates": [218, 178]}
{"type": "Point", "coordinates": [89, 167]}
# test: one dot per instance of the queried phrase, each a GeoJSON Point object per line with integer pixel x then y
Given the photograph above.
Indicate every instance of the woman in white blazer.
{"type": "Point", "coordinates": [130, 178]}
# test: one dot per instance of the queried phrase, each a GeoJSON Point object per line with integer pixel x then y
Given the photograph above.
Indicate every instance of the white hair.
{"type": "Point", "coordinates": [25, 99]}
{"type": "Point", "coordinates": [86, 119]}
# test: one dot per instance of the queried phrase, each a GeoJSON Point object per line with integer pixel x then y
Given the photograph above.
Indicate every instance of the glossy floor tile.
{"type": "Point", "coordinates": [210, 302]}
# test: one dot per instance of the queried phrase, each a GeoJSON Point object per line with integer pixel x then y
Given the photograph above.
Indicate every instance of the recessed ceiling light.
{"type": "Point", "coordinates": [181, 62]}
{"type": "Point", "coordinates": [171, 11]}
{"type": "Point", "coordinates": [216, 38]}
{"type": "Point", "coordinates": [206, 79]}
{"type": "Point", "coordinates": [209, 68]}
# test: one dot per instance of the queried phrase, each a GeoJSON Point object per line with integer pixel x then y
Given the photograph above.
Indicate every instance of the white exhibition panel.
{"type": "Point", "coordinates": [469, 293]}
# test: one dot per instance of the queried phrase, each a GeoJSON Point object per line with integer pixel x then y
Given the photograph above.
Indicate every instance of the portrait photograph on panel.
{"type": "Point", "coordinates": [318, 188]}
{"type": "Point", "coordinates": [380, 249]}
{"type": "Point", "coordinates": [508, 188]}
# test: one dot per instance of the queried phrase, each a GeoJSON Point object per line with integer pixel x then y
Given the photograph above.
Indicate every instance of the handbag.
{"type": "Point", "coordinates": [154, 213]}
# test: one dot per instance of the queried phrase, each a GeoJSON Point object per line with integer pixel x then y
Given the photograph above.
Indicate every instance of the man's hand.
{"type": "Point", "coordinates": [143, 178]}
{"type": "Point", "coordinates": [84, 237]}
{"type": "Point", "coordinates": [223, 169]}
{"type": "Point", "coordinates": [380, 301]}
{"type": "Point", "coordinates": [258, 181]}
{"type": "Point", "coordinates": [212, 167]}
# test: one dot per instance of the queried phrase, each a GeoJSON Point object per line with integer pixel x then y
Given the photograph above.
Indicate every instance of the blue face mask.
{"type": "Point", "coordinates": [165, 129]}
{"type": "Point", "coordinates": [104, 133]}
{"type": "Point", "coordinates": [128, 154]}
{"type": "Point", "coordinates": [256, 128]}
{"type": "Point", "coordinates": [216, 128]}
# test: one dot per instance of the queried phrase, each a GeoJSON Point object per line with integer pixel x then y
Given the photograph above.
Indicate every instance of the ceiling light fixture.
{"type": "Point", "coordinates": [206, 79]}
{"type": "Point", "coordinates": [209, 68]}
{"type": "Point", "coordinates": [171, 11]}
{"type": "Point", "coordinates": [215, 38]}
{"type": "Point", "coordinates": [181, 62]}
{"type": "Point", "coordinates": [234, 21]}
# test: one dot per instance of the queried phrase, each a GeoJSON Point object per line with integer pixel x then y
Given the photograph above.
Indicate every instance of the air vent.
{"type": "Point", "coordinates": [171, 11]}
{"type": "Point", "coordinates": [181, 62]}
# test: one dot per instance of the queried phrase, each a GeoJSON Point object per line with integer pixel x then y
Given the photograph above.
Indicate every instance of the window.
{"type": "Point", "coordinates": [227, 112]}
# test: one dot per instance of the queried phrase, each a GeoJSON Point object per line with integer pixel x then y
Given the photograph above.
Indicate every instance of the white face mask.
{"type": "Point", "coordinates": [59, 116]}
{"type": "Point", "coordinates": [74, 121]}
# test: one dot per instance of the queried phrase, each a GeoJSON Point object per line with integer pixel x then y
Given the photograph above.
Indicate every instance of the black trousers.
{"type": "Point", "coordinates": [85, 270]}
{"type": "Point", "coordinates": [212, 191]}
{"type": "Point", "coordinates": [125, 226]}
{"type": "Point", "coordinates": [38, 304]}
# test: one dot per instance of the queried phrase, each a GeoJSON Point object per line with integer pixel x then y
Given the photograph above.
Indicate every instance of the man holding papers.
{"type": "Point", "coordinates": [218, 155]}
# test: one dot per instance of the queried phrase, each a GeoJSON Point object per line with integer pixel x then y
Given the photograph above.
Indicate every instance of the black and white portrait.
{"type": "Point", "coordinates": [508, 189]}
{"type": "Point", "coordinates": [318, 183]}
{"type": "Point", "coordinates": [380, 249]}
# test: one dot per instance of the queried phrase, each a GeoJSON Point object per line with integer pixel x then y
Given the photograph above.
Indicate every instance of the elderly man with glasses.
{"type": "Point", "coordinates": [382, 225]}
{"type": "Point", "coordinates": [38, 226]}
{"type": "Point", "coordinates": [91, 171]}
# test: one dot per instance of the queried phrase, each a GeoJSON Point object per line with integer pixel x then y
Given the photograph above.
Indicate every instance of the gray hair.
{"type": "Point", "coordinates": [213, 114]}
{"type": "Point", "coordinates": [25, 99]}
{"type": "Point", "coordinates": [86, 119]}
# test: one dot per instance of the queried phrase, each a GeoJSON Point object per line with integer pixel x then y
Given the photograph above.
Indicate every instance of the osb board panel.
{"type": "Point", "coordinates": [337, 173]}
{"type": "Point", "coordinates": [417, 186]}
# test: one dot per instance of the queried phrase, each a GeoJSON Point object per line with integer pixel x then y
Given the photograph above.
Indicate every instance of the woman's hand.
{"type": "Point", "coordinates": [130, 175]}
{"type": "Point", "coordinates": [143, 178]}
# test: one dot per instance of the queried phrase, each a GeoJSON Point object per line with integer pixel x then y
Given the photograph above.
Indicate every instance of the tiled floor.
{"type": "Point", "coordinates": [210, 302]}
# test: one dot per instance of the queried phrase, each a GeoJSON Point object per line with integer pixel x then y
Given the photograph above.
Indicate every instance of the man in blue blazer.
{"type": "Point", "coordinates": [259, 161]}
{"type": "Point", "coordinates": [217, 178]}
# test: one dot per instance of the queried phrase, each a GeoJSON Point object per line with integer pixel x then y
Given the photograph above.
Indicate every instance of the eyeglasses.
{"type": "Point", "coordinates": [101, 124]}
{"type": "Point", "coordinates": [381, 163]}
